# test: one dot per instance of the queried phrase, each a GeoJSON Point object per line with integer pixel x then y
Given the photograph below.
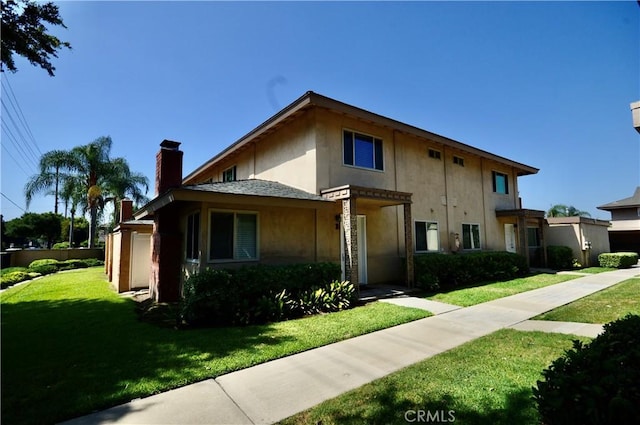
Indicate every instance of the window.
{"type": "Point", "coordinates": [362, 151]}
{"type": "Point", "coordinates": [229, 175]}
{"type": "Point", "coordinates": [471, 236]}
{"type": "Point", "coordinates": [500, 183]}
{"type": "Point", "coordinates": [435, 154]}
{"type": "Point", "coordinates": [193, 236]}
{"type": "Point", "coordinates": [233, 236]}
{"type": "Point", "coordinates": [458, 160]}
{"type": "Point", "coordinates": [426, 236]}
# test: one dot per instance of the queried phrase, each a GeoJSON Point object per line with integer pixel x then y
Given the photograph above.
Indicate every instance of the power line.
{"type": "Point", "coordinates": [21, 116]}
{"type": "Point", "coordinates": [15, 160]}
{"type": "Point", "coordinates": [25, 145]}
{"type": "Point", "coordinates": [7, 198]}
{"type": "Point", "coordinates": [19, 149]}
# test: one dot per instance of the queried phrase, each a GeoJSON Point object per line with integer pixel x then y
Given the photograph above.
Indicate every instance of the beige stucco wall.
{"type": "Point", "coordinates": [575, 233]}
{"type": "Point", "coordinates": [24, 257]}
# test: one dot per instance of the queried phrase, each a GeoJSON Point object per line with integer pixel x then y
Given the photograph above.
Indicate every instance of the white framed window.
{"type": "Point", "coordinates": [192, 243]}
{"type": "Point", "coordinates": [233, 235]}
{"type": "Point", "coordinates": [458, 160]}
{"type": "Point", "coordinates": [470, 236]}
{"type": "Point", "coordinates": [435, 154]}
{"type": "Point", "coordinates": [361, 150]}
{"type": "Point", "coordinates": [426, 236]}
{"type": "Point", "coordinates": [229, 175]}
{"type": "Point", "coordinates": [500, 182]}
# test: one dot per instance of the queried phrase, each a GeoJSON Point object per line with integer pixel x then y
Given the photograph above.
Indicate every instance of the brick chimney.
{"type": "Point", "coordinates": [168, 166]}
{"type": "Point", "coordinates": [126, 210]}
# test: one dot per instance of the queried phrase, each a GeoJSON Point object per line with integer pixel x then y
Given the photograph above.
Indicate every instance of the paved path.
{"type": "Point", "coordinates": [277, 389]}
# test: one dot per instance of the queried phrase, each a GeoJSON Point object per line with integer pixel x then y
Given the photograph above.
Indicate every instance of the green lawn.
{"type": "Point", "coordinates": [70, 345]}
{"type": "Point", "coordinates": [602, 307]}
{"type": "Point", "coordinates": [486, 381]}
{"type": "Point", "coordinates": [479, 294]}
{"type": "Point", "coordinates": [595, 270]}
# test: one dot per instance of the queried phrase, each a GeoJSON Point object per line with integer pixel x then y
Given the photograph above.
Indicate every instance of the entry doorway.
{"type": "Point", "coordinates": [510, 238]}
{"type": "Point", "coordinates": [361, 229]}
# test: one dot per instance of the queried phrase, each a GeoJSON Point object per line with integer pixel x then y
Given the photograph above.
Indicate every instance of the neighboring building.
{"type": "Point", "coordinates": [635, 115]}
{"type": "Point", "coordinates": [587, 237]}
{"type": "Point", "coordinates": [624, 233]}
{"type": "Point", "coordinates": [325, 181]}
{"type": "Point", "coordinates": [128, 251]}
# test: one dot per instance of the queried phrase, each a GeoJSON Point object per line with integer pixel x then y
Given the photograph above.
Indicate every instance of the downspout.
{"type": "Point", "coordinates": [446, 196]}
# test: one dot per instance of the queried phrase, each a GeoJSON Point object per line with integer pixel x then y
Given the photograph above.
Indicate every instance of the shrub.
{"type": "Point", "coordinates": [12, 278]}
{"type": "Point", "coordinates": [618, 260]}
{"type": "Point", "coordinates": [43, 269]}
{"type": "Point", "coordinates": [595, 383]}
{"type": "Point", "coordinates": [435, 271]}
{"type": "Point", "coordinates": [560, 257]}
{"type": "Point", "coordinates": [259, 294]}
{"type": "Point", "coordinates": [92, 262]}
{"type": "Point", "coordinates": [73, 264]}
{"type": "Point", "coordinates": [60, 245]}
{"type": "Point", "coordinates": [44, 262]}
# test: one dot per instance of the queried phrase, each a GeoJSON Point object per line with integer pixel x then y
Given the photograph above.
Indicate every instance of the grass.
{"type": "Point", "coordinates": [602, 307]}
{"type": "Point", "coordinates": [487, 380]}
{"type": "Point", "coordinates": [70, 346]}
{"type": "Point", "coordinates": [594, 270]}
{"type": "Point", "coordinates": [479, 294]}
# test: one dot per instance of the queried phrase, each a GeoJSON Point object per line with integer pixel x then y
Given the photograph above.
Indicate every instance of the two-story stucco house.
{"type": "Point", "coordinates": [624, 232]}
{"type": "Point", "coordinates": [325, 181]}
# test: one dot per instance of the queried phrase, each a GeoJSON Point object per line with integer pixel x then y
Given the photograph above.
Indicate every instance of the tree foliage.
{"type": "Point", "coordinates": [561, 210]}
{"type": "Point", "coordinates": [24, 33]}
{"type": "Point", "coordinates": [45, 226]}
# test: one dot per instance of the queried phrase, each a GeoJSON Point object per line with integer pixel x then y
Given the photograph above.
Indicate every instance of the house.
{"type": "Point", "coordinates": [624, 233]}
{"type": "Point", "coordinates": [587, 237]}
{"type": "Point", "coordinates": [322, 180]}
{"type": "Point", "coordinates": [128, 251]}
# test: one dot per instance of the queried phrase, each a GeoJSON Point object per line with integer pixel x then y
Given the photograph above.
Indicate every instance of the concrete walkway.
{"type": "Point", "coordinates": [272, 391]}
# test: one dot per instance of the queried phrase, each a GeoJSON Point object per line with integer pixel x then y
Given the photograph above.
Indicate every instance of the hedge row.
{"type": "Point", "coordinates": [618, 260]}
{"type": "Point", "coordinates": [559, 257]}
{"type": "Point", "coordinates": [436, 271]}
{"type": "Point", "coordinates": [595, 383]}
{"type": "Point", "coordinates": [43, 267]}
{"type": "Point", "coordinates": [260, 294]}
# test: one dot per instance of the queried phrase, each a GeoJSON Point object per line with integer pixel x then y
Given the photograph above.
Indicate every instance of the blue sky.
{"type": "Point", "coordinates": [546, 84]}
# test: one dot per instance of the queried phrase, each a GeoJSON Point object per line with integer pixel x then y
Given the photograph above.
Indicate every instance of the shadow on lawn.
{"type": "Point", "coordinates": [385, 407]}
{"type": "Point", "coordinates": [66, 358]}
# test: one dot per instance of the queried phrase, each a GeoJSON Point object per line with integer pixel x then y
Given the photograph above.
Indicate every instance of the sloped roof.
{"type": "Point", "coordinates": [311, 100]}
{"type": "Point", "coordinates": [633, 201]}
{"type": "Point", "coordinates": [256, 187]}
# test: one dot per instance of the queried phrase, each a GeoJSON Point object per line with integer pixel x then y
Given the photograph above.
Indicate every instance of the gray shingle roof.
{"type": "Point", "coordinates": [633, 201]}
{"type": "Point", "coordinates": [255, 187]}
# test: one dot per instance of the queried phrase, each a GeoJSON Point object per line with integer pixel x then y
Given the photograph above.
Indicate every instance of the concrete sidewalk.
{"type": "Point", "coordinates": [272, 391]}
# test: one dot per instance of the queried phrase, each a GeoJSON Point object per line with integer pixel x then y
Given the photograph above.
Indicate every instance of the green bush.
{"type": "Point", "coordinates": [44, 262]}
{"type": "Point", "coordinates": [61, 245]}
{"type": "Point", "coordinates": [435, 271]}
{"type": "Point", "coordinates": [260, 294]}
{"type": "Point", "coordinates": [92, 262]}
{"type": "Point", "coordinates": [595, 383]}
{"type": "Point", "coordinates": [618, 260]}
{"type": "Point", "coordinates": [73, 264]}
{"type": "Point", "coordinates": [12, 278]}
{"type": "Point", "coordinates": [560, 257]}
{"type": "Point", "coordinates": [43, 269]}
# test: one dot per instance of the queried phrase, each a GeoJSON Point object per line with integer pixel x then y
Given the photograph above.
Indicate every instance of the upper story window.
{"type": "Point", "coordinates": [435, 154]}
{"type": "Point", "coordinates": [363, 151]}
{"type": "Point", "coordinates": [229, 175]}
{"type": "Point", "coordinates": [458, 160]}
{"type": "Point", "coordinates": [193, 236]}
{"type": "Point", "coordinates": [500, 183]}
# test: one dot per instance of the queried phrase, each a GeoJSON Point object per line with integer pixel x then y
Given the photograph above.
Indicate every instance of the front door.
{"type": "Point", "coordinates": [361, 229]}
{"type": "Point", "coordinates": [510, 238]}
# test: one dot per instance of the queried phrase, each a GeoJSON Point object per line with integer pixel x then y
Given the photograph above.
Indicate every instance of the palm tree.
{"type": "Point", "coordinates": [561, 210]}
{"type": "Point", "coordinates": [89, 170]}
{"type": "Point", "coordinates": [123, 183]}
{"type": "Point", "coordinates": [52, 164]}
